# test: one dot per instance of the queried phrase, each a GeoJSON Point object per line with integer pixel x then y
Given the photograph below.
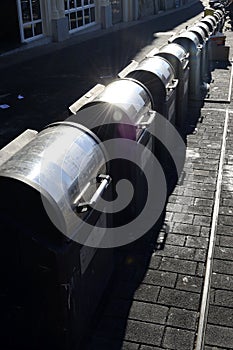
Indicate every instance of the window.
{"type": "Point", "coordinates": [30, 19]}
{"type": "Point", "coordinates": [81, 13]}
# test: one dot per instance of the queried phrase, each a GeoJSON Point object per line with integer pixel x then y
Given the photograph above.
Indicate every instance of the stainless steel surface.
{"type": "Point", "coordinates": [129, 98]}
{"type": "Point", "coordinates": [188, 40]}
{"type": "Point", "coordinates": [211, 22]}
{"type": "Point", "coordinates": [175, 52]}
{"type": "Point", "coordinates": [205, 27]}
{"type": "Point", "coordinates": [160, 67]}
{"type": "Point", "coordinates": [200, 33]}
{"type": "Point", "coordinates": [59, 163]}
{"type": "Point", "coordinates": [15, 145]}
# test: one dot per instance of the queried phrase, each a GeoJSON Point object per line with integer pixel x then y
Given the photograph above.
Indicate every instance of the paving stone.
{"type": "Point", "coordinates": [182, 318]}
{"type": "Point", "coordinates": [203, 202]}
{"type": "Point", "coordinates": [221, 281]}
{"type": "Point", "coordinates": [200, 255]}
{"type": "Point", "coordinates": [155, 261]}
{"type": "Point", "coordinates": [178, 265]}
{"type": "Point", "coordinates": [180, 299]}
{"type": "Point", "coordinates": [174, 207]}
{"type": "Point", "coordinates": [177, 252]}
{"type": "Point", "coordinates": [186, 229]}
{"type": "Point", "coordinates": [226, 210]}
{"type": "Point", "coordinates": [223, 266]}
{"type": "Point", "coordinates": [148, 312]}
{"type": "Point", "coordinates": [183, 218]}
{"type": "Point", "coordinates": [226, 241]}
{"type": "Point", "coordinates": [160, 278]}
{"type": "Point", "coordinates": [223, 253]}
{"type": "Point", "coordinates": [224, 230]}
{"type": "Point", "coordinates": [178, 339]}
{"type": "Point", "coordinates": [189, 283]}
{"type": "Point", "coordinates": [200, 270]}
{"type": "Point", "coordinates": [175, 239]}
{"type": "Point", "coordinates": [205, 232]}
{"type": "Point", "coordinates": [219, 336]}
{"type": "Point", "coordinates": [224, 298]}
{"type": "Point", "coordinates": [146, 333]}
{"type": "Point", "coordinates": [202, 220]}
{"type": "Point", "coordinates": [181, 199]}
{"type": "Point", "coordinates": [199, 210]}
{"type": "Point", "coordinates": [146, 292]}
{"type": "Point", "coordinates": [196, 242]}
{"type": "Point", "coordinates": [222, 316]}
{"type": "Point", "coordinates": [225, 220]}
{"type": "Point", "coordinates": [198, 193]}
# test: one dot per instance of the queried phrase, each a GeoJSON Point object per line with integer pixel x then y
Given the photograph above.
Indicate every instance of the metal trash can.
{"type": "Point", "coordinates": [158, 76]}
{"type": "Point", "coordinates": [204, 52]}
{"type": "Point", "coordinates": [52, 284]}
{"type": "Point", "coordinates": [220, 18]}
{"type": "Point", "coordinates": [178, 57]}
{"type": "Point", "coordinates": [211, 22]}
{"type": "Point", "coordinates": [124, 111]}
{"type": "Point", "coordinates": [192, 45]}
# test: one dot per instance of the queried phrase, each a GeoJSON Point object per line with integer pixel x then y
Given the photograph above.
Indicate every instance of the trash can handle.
{"type": "Point", "coordinates": [104, 181]}
{"type": "Point", "coordinates": [173, 84]}
{"type": "Point", "coordinates": [143, 124]}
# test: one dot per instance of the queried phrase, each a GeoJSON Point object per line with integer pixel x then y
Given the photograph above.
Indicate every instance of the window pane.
{"type": "Point", "coordinates": [92, 9]}
{"type": "Point", "coordinates": [28, 31]}
{"type": "Point", "coordinates": [26, 13]}
{"type": "Point", "coordinates": [36, 9]}
{"type": "Point", "coordinates": [73, 23]}
{"type": "Point", "coordinates": [79, 3]}
{"type": "Point", "coordinates": [85, 2]}
{"type": "Point", "coordinates": [80, 18]}
{"type": "Point", "coordinates": [72, 4]}
{"type": "Point", "coordinates": [38, 28]}
{"type": "Point", "coordinates": [66, 4]}
{"type": "Point", "coordinates": [86, 16]}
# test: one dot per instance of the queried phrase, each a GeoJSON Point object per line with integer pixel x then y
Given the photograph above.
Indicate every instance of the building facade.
{"type": "Point", "coordinates": [25, 21]}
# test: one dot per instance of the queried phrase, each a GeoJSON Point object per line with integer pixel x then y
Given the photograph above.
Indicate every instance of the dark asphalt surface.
{"type": "Point", "coordinates": [50, 82]}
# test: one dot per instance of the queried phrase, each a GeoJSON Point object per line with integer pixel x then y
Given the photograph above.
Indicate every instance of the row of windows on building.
{"type": "Point", "coordinates": [32, 19]}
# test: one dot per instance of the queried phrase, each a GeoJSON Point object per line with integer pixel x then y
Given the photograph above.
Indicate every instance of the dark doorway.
{"type": "Point", "coordinates": [9, 26]}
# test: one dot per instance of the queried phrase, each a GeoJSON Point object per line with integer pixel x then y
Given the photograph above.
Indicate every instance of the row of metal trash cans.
{"type": "Point", "coordinates": [51, 182]}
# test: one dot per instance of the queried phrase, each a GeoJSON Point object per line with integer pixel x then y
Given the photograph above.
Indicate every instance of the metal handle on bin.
{"type": "Point", "coordinates": [104, 181]}
{"type": "Point", "coordinates": [143, 124]}
{"type": "Point", "coordinates": [174, 84]}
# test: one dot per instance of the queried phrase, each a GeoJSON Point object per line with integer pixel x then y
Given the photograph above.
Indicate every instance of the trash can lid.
{"type": "Point", "coordinates": [159, 67]}
{"type": "Point", "coordinates": [188, 40]}
{"type": "Point", "coordinates": [200, 33]}
{"type": "Point", "coordinates": [176, 55]}
{"type": "Point", "coordinates": [123, 101]}
{"type": "Point", "coordinates": [211, 22]}
{"type": "Point", "coordinates": [205, 27]}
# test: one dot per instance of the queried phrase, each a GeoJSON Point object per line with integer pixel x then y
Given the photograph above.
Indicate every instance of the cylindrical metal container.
{"type": "Point", "coordinates": [179, 59]}
{"type": "Point", "coordinates": [192, 45]}
{"type": "Point", "coordinates": [158, 76]}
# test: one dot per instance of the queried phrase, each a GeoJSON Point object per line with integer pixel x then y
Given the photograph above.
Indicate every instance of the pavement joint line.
{"type": "Point", "coordinates": [209, 262]}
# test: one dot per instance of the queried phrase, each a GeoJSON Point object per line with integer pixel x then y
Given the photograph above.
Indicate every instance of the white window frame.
{"type": "Point", "coordinates": [22, 25]}
{"type": "Point", "coordinates": [80, 8]}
